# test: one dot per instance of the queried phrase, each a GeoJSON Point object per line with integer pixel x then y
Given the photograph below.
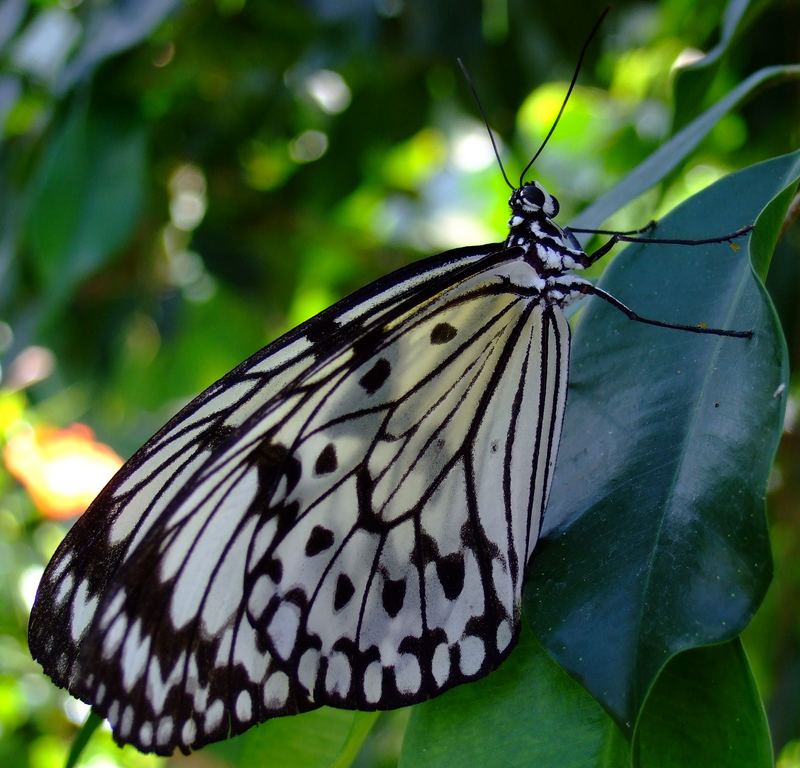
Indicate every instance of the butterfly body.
{"type": "Point", "coordinates": [344, 519]}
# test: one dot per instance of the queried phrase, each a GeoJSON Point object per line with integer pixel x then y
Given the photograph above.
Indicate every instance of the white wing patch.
{"type": "Point", "coordinates": [344, 519]}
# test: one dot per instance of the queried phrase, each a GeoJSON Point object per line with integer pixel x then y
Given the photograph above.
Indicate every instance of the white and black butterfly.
{"type": "Point", "coordinates": [345, 518]}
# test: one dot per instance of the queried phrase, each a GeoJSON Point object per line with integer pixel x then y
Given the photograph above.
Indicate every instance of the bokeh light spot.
{"type": "Point", "coordinates": [308, 146]}
{"type": "Point", "coordinates": [62, 469]}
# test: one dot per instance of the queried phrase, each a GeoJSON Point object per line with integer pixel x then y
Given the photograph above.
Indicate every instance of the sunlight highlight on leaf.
{"type": "Point", "coordinates": [412, 163]}
{"type": "Point", "coordinates": [585, 124]}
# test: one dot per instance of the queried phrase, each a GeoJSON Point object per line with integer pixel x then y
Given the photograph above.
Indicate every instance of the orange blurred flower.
{"type": "Point", "coordinates": [62, 469]}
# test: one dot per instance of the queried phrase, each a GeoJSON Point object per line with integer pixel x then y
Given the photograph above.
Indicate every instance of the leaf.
{"type": "Point", "coordinates": [705, 711]}
{"type": "Point", "coordinates": [359, 730]}
{"type": "Point", "coordinates": [85, 199]}
{"type": "Point", "coordinates": [322, 738]}
{"type": "Point", "coordinates": [693, 81]}
{"type": "Point", "coordinates": [91, 724]}
{"type": "Point", "coordinates": [527, 713]}
{"type": "Point", "coordinates": [655, 538]}
{"type": "Point", "coordinates": [667, 157]}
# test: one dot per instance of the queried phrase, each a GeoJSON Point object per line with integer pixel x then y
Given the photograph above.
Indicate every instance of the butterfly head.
{"type": "Point", "coordinates": [532, 199]}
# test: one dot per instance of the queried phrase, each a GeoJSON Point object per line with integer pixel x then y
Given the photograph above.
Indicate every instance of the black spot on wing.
{"type": "Point", "coordinates": [321, 330]}
{"type": "Point", "coordinates": [368, 518]}
{"type": "Point", "coordinates": [326, 461]}
{"type": "Point", "coordinates": [286, 515]}
{"type": "Point", "coordinates": [344, 591]}
{"type": "Point", "coordinates": [274, 569]}
{"type": "Point", "coordinates": [375, 377]}
{"type": "Point", "coordinates": [393, 595]}
{"type": "Point", "coordinates": [425, 551]}
{"type": "Point", "coordinates": [214, 436]}
{"type": "Point", "coordinates": [470, 540]}
{"type": "Point", "coordinates": [450, 570]}
{"type": "Point", "coordinates": [442, 333]}
{"type": "Point", "coordinates": [366, 342]}
{"type": "Point", "coordinates": [319, 540]}
{"type": "Point", "coordinates": [274, 461]}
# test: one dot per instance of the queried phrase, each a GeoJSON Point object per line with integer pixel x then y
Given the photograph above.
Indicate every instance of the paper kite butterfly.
{"type": "Point", "coordinates": [343, 519]}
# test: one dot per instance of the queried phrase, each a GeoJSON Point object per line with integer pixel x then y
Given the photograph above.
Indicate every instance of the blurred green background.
{"type": "Point", "coordinates": [181, 182]}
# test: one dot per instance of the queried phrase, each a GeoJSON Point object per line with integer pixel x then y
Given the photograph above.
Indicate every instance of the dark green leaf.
{"type": "Point", "coordinates": [85, 199]}
{"type": "Point", "coordinates": [92, 723]}
{"type": "Point", "coordinates": [655, 538]}
{"type": "Point", "coordinates": [527, 713]}
{"type": "Point", "coordinates": [693, 81]}
{"type": "Point", "coordinates": [705, 711]}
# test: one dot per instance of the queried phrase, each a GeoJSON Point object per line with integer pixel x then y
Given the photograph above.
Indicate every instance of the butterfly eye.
{"type": "Point", "coordinates": [533, 196]}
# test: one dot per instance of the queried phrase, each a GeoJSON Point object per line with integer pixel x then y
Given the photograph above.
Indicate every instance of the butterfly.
{"type": "Point", "coordinates": [345, 518]}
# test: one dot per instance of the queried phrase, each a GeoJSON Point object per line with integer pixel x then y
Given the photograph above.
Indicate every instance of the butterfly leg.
{"type": "Point", "coordinates": [588, 289]}
{"type": "Point", "coordinates": [621, 237]}
{"type": "Point", "coordinates": [649, 227]}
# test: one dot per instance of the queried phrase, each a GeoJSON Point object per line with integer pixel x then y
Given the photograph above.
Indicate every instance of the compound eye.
{"type": "Point", "coordinates": [533, 196]}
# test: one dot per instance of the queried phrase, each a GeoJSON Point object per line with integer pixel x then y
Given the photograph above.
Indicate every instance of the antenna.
{"type": "Point", "coordinates": [485, 121]}
{"type": "Point", "coordinates": [569, 91]}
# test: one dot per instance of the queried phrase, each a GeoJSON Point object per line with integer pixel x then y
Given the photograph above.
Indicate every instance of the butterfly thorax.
{"type": "Point", "coordinates": [548, 249]}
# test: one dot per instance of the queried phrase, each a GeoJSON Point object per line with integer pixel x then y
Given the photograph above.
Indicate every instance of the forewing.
{"type": "Point", "coordinates": [356, 535]}
{"type": "Point", "coordinates": [120, 517]}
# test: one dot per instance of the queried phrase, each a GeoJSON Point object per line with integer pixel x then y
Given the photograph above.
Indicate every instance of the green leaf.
{"type": "Point", "coordinates": [693, 81]}
{"type": "Point", "coordinates": [705, 711]}
{"type": "Point", "coordinates": [527, 713]}
{"type": "Point", "coordinates": [655, 538]}
{"type": "Point", "coordinates": [359, 730]}
{"type": "Point", "coordinates": [322, 738]}
{"type": "Point", "coordinates": [85, 199]}
{"type": "Point", "coordinates": [92, 723]}
{"type": "Point", "coordinates": [669, 156]}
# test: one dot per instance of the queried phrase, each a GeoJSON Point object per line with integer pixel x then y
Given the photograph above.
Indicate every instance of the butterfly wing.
{"type": "Point", "coordinates": [122, 514]}
{"type": "Point", "coordinates": [344, 519]}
